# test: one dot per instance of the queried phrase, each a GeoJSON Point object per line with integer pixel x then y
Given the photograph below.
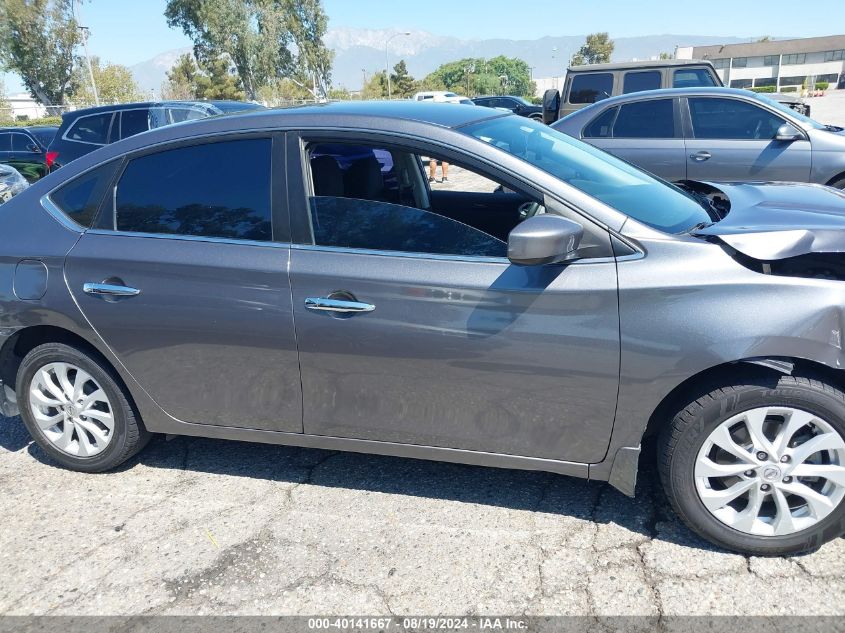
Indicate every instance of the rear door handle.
{"type": "Point", "coordinates": [701, 156]}
{"type": "Point", "coordinates": [110, 290]}
{"type": "Point", "coordinates": [325, 304]}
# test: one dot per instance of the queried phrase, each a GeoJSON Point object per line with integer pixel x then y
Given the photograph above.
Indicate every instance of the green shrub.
{"type": "Point", "coordinates": [50, 120]}
{"type": "Point", "coordinates": [789, 89]}
{"type": "Point", "coordinates": [763, 89]}
{"type": "Point", "coordinates": [822, 85]}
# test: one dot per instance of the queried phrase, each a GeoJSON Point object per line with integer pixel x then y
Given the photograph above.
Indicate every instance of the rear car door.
{"type": "Point", "coordinates": [442, 342]}
{"type": "Point", "coordinates": [27, 157]}
{"type": "Point", "coordinates": [733, 140]}
{"type": "Point", "coordinates": [184, 276]}
{"type": "Point", "coordinates": [647, 133]}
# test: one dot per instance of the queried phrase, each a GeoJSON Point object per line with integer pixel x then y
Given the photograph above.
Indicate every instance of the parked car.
{"type": "Point", "coordinates": [440, 96]}
{"type": "Point", "coordinates": [719, 134]}
{"type": "Point", "coordinates": [83, 131]}
{"type": "Point", "coordinates": [11, 183]}
{"type": "Point", "coordinates": [24, 148]}
{"type": "Point", "coordinates": [517, 105]}
{"type": "Point", "coordinates": [594, 82]}
{"type": "Point", "coordinates": [560, 307]}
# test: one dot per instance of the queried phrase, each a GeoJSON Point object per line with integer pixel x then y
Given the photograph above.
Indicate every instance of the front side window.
{"type": "Point", "coordinates": [598, 174]}
{"type": "Point", "coordinates": [93, 128]}
{"type": "Point", "coordinates": [379, 198]}
{"type": "Point", "coordinates": [80, 198]}
{"type": "Point", "coordinates": [731, 119]}
{"type": "Point", "coordinates": [692, 78]}
{"type": "Point", "coordinates": [23, 143]}
{"type": "Point", "coordinates": [638, 81]}
{"type": "Point", "coordinates": [591, 87]}
{"type": "Point", "coordinates": [219, 189]}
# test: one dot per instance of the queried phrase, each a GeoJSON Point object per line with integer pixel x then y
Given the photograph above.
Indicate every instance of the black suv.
{"type": "Point", "coordinates": [25, 149]}
{"type": "Point", "coordinates": [83, 131]}
{"type": "Point", "coordinates": [517, 105]}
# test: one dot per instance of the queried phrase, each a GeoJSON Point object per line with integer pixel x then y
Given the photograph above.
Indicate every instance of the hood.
{"type": "Point", "coordinates": [771, 221]}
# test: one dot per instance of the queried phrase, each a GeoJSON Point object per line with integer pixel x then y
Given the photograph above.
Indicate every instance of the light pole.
{"type": "Point", "coordinates": [84, 30]}
{"type": "Point", "coordinates": [387, 60]}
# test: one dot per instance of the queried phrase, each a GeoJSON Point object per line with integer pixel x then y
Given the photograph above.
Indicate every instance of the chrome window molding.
{"type": "Point", "coordinates": [188, 238]}
{"type": "Point", "coordinates": [57, 214]}
{"type": "Point", "coordinates": [88, 116]}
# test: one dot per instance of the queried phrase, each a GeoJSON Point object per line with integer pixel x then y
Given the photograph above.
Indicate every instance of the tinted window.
{"type": "Point", "coordinates": [214, 190]}
{"type": "Point", "coordinates": [731, 119]}
{"type": "Point", "coordinates": [5, 142]}
{"type": "Point", "coordinates": [134, 122]}
{"type": "Point", "coordinates": [483, 102]}
{"type": "Point", "coordinates": [592, 87]}
{"type": "Point", "coordinates": [646, 119]}
{"type": "Point", "coordinates": [22, 143]}
{"type": "Point", "coordinates": [646, 80]}
{"type": "Point", "coordinates": [80, 198]}
{"type": "Point", "coordinates": [177, 115]}
{"type": "Point", "coordinates": [602, 125]}
{"type": "Point", "coordinates": [44, 135]}
{"type": "Point", "coordinates": [93, 128]}
{"type": "Point", "coordinates": [692, 78]}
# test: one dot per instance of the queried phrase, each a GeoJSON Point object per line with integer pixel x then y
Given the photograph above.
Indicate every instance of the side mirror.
{"type": "Point", "coordinates": [551, 106]}
{"type": "Point", "coordinates": [788, 133]}
{"type": "Point", "coordinates": [34, 149]}
{"type": "Point", "coordinates": [544, 239]}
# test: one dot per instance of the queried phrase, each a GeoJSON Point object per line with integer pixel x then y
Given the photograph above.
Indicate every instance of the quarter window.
{"type": "Point", "coordinates": [732, 119]}
{"type": "Point", "coordinates": [637, 81]}
{"type": "Point", "coordinates": [217, 190]}
{"type": "Point", "coordinates": [80, 198]}
{"type": "Point", "coordinates": [602, 125]}
{"type": "Point", "coordinates": [93, 128]}
{"type": "Point", "coordinates": [591, 87]}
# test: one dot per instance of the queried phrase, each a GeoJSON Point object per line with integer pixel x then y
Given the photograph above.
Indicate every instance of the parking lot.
{"type": "Point", "coordinates": [203, 526]}
{"type": "Point", "coordinates": [828, 109]}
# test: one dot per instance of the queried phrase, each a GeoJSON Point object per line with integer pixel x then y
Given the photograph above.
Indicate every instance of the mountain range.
{"type": "Point", "coordinates": [362, 51]}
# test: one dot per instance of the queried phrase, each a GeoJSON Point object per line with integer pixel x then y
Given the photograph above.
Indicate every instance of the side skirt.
{"type": "Point", "coordinates": [434, 453]}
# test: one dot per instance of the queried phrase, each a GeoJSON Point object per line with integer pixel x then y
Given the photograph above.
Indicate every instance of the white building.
{"type": "Point", "coordinates": [778, 63]}
{"type": "Point", "coordinates": [24, 106]}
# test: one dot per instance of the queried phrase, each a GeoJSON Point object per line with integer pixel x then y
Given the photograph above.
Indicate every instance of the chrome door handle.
{"type": "Point", "coordinates": [701, 156]}
{"type": "Point", "coordinates": [336, 305]}
{"type": "Point", "coordinates": [110, 290]}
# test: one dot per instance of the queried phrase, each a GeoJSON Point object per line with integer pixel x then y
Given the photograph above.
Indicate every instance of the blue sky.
{"type": "Point", "coordinates": [131, 31]}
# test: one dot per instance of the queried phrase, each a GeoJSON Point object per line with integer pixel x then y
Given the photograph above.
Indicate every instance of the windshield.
{"type": "Point", "coordinates": [616, 183]}
{"type": "Point", "coordinates": [793, 113]}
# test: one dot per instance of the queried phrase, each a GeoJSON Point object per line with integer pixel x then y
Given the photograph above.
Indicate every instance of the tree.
{"type": "Point", "coordinates": [474, 76]}
{"type": "Point", "coordinates": [5, 107]}
{"type": "Point", "coordinates": [666, 56]}
{"type": "Point", "coordinates": [38, 40]}
{"type": "Point", "coordinates": [115, 84]}
{"type": "Point", "coordinates": [217, 81]}
{"type": "Point", "coordinates": [265, 39]}
{"type": "Point", "coordinates": [376, 86]}
{"type": "Point", "coordinates": [181, 83]}
{"type": "Point", "coordinates": [596, 50]}
{"type": "Point", "coordinates": [401, 82]}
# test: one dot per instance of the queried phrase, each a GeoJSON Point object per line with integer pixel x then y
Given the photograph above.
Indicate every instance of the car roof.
{"type": "Point", "coordinates": [143, 104]}
{"type": "Point", "coordinates": [711, 91]}
{"type": "Point", "coordinates": [19, 128]}
{"type": "Point", "coordinates": [654, 63]}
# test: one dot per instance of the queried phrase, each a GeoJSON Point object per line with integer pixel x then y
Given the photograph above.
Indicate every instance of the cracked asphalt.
{"type": "Point", "coordinates": [197, 526]}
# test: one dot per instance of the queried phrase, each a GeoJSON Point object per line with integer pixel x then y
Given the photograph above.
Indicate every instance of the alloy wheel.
{"type": "Point", "coordinates": [771, 471]}
{"type": "Point", "coordinates": [71, 409]}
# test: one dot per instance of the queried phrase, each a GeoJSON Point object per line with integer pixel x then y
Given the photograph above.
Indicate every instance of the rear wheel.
{"type": "Point", "coordinates": [759, 467]}
{"type": "Point", "coordinates": [76, 410]}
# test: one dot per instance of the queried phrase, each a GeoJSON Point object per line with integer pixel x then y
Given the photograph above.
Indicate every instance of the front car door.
{"type": "Point", "coordinates": [442, 342]}
{"type": "Point", "coordinates": [185, 278]}
{"type": "Point", "coordinates": [647, 133]}
{"type": "Point", "coordinates": [733, 140]}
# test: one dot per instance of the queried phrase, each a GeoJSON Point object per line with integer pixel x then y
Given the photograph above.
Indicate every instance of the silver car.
{"type": "Point", "coordinates": [715, 134]}
{"type": "Point", "coordinates": [292, 277]}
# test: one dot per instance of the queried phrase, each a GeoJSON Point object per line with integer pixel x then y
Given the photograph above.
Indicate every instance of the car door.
{"type": "Point", "coordinates": [646, 133]}
{"type": "Point", "coordinates": [733, 140]}
{"type": "Point", "coordinates": [184, 276]}
{"type": "Point", "coordinates": [441, 341]}
{"type": "Point", "coordinates": [27, 157]}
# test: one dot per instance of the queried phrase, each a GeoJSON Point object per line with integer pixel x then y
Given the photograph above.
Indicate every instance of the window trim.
{"type": "Point", "coordinates": [677, 116]}
{"type": "Point", "coordinates": [279, 222]}
{"type": "Point", "coordinates": [689, 130]}
{"type": "Point", "coordinates": [88, 116]}
{"type": "Point", "coordinates": [300, 183]}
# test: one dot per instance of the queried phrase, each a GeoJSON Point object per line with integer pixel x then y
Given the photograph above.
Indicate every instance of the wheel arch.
{"type": "Point", "coordinates": [836, 178]}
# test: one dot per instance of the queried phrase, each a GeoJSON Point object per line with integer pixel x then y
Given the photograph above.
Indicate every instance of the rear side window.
{"type": "Point", "coordinates": [80, 198]}
{"type": "Point", "coordinates": [23, 143]}
{"type": "Point", "coordinates": [591, 87]}
{"type": "Point", "coordinates": [217, 189]}
{"type": "Point", "coordinates": [653, 118]}
{"type": "Point", "coordinates": [692, 78]}
{"type": "Point", "coordinates": [134, 122]}
{"type": "Point", "coordinates": [643, 80]}
{"type": "Point", "coordinates": [732, 119]}
{"type": "Point", "coordinates": [93, 128]}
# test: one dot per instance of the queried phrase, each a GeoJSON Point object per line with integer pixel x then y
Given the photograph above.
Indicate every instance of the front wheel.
{"type": "Point", "coordinates": [76, 410]}
{"type": "Point", "coordinates": [759, 467]}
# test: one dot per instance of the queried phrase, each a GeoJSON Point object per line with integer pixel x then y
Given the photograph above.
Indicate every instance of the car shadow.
{"type": "Point", "coordinates": [647, 514]}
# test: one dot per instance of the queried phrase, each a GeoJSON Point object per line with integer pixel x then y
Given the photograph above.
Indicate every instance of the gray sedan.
{"type": "Point", "coordinates": [713, 134]}
{"type": "Point", "coordinates": [292, 277]}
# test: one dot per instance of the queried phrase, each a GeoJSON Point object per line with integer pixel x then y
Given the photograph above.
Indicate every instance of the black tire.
{"type": "Point", "coordinates": [838, 184]}
{"type": "Point", "coordinates": [681, 440]}
{"type": "Point", "coordinates": [129, 435]}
